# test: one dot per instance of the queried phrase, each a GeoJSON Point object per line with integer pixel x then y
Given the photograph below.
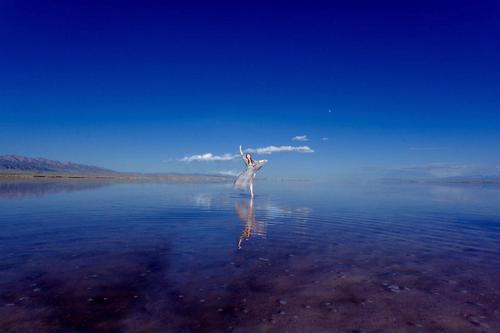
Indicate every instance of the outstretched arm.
{"type": "Point", "coordinates": [241, 151]}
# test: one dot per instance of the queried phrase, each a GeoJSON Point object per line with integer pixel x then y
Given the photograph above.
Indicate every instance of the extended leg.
{"type": "Point", "coordinates": [251, 189]}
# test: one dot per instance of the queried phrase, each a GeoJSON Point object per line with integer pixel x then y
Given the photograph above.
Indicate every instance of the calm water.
{"type": "Point", "coordinates": [86, 256]}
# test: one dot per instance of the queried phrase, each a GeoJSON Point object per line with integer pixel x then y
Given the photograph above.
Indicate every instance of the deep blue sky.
{"type": "Point", "coordinates": [134, 86]}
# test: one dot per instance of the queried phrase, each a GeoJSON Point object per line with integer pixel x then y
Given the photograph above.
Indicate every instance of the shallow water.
{"type": "Point", "coordinates": [80, 256]}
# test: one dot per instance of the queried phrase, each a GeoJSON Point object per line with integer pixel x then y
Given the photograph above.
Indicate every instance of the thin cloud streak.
{"type": "Point", "coordinates": [281, 149]}
{"type": "Point", "coordinates": [424, 148]}
{"type": "Point", "coordinates": [437, 169]}
{"type": "Point", "coordinates": [302, 138]}
{"type": "Point", "coordinates": [208, 157]}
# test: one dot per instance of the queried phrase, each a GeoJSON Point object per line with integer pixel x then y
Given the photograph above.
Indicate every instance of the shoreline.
{"type": "Point", "coordinates": [117, 177]}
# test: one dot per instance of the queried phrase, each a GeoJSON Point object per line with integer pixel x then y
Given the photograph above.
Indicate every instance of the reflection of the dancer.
{"type": "Point", "coordinates": [246, 213]}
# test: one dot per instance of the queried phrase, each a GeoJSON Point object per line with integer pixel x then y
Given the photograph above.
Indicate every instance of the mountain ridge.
{"type": "Point", "coordinates": [19, 163]}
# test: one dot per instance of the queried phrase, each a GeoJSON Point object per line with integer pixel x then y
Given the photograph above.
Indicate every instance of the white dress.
{"type": "Point", "coordinates": [245, 178]}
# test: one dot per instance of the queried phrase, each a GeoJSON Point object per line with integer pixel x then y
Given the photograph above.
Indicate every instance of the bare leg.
{"type": "Point", "coordinates": [251, 185]}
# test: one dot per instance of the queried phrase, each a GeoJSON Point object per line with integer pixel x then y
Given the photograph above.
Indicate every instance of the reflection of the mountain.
{"type": "Point", "coordinates": [26, 188]}
{"type": "Point", "coordinates": [246, 213]}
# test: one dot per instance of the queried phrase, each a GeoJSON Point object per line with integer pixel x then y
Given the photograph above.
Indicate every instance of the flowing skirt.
{"type": "Point", "coordinates": [245, 178]}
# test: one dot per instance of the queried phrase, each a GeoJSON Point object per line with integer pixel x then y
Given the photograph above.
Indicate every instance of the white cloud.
{"type": "Point", "coordinates": [324, 138]}
{"type": "Point", "coordinates": [208, 157]}
{"type": "Point", "coordinates": [301, 138]}
{"type": "Point", "coordinates": [281, 149]}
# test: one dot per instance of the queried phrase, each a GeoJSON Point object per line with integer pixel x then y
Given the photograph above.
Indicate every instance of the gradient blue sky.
{"type": "Point", "coordinates": [134, 86]}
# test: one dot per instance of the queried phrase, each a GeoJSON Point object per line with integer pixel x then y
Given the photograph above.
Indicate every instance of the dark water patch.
{"type": "Point", "coordinates": [88, 303]}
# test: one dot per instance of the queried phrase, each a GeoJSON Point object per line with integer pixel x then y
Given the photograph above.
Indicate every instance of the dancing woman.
{"type": "Point", "coordinates": [245, 179]}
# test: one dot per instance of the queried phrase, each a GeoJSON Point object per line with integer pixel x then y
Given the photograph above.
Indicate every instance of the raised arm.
{"type": "Point", "coordinates": [243, 156]}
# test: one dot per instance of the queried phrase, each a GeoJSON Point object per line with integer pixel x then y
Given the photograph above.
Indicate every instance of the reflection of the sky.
{"type": "Point", "coordinates": [165, 253]}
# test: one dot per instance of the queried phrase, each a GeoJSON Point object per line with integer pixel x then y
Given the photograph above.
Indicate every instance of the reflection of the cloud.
{"type": "Point", "coordinates": [271, 211]}
{"type": "Point", "coordinates": [465, 194]}
{"type": "Point", "coordinates": [203, 200]}
{"type": "Point", "coordinates": [447, 193]}
{"type": "Point", "coordinates": [26, 188]}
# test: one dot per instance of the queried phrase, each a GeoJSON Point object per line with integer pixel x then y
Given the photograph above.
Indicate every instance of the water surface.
{"type": "Point", "coordinates": [80, 256]}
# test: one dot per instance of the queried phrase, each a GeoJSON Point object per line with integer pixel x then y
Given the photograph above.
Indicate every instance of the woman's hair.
{"type": "Point", "coordinates": [248, 157]}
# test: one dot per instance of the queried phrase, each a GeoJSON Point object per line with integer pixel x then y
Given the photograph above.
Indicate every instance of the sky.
{"type": "Point", "coordinates": [342, 89]}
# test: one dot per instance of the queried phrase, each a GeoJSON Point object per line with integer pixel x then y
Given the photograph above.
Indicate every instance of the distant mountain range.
{"type": "Point", "coordinates": [15, 166]}
{"type": "Point", "coordinates": [16, 163]}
